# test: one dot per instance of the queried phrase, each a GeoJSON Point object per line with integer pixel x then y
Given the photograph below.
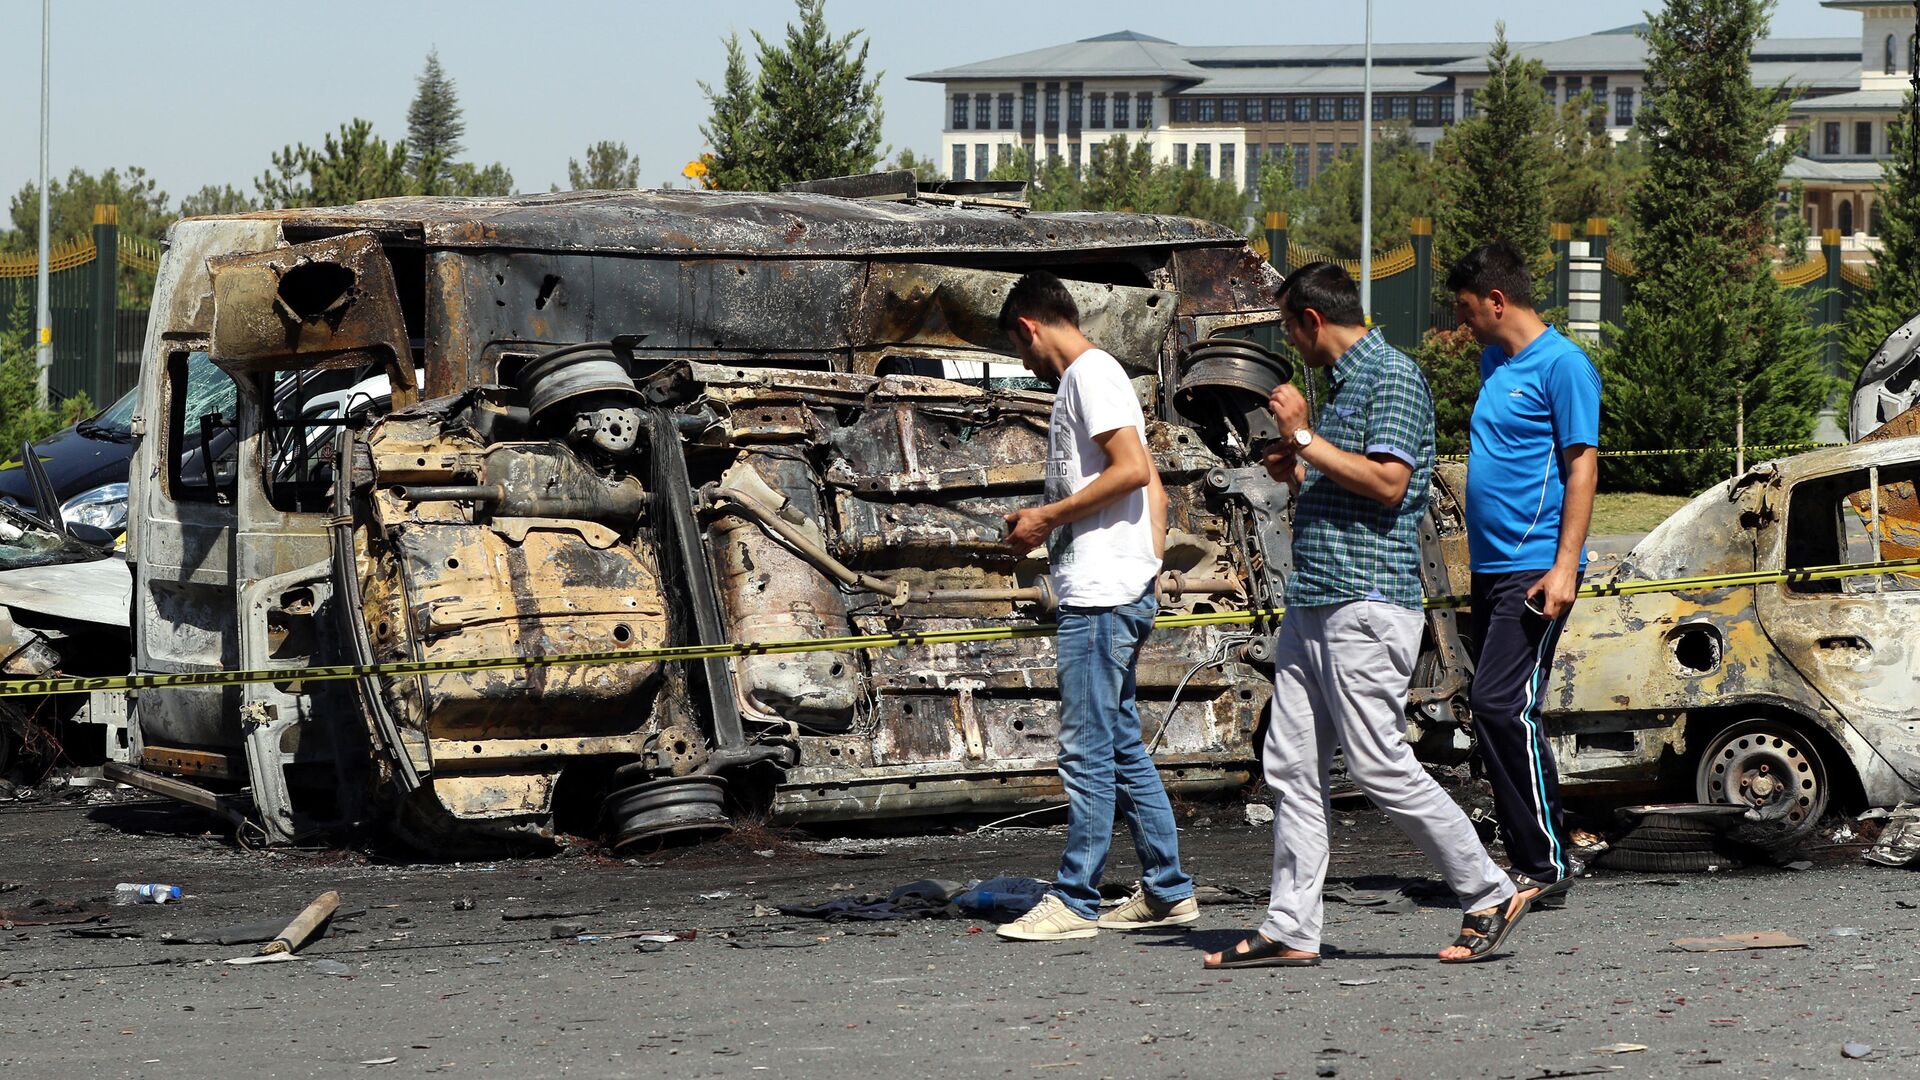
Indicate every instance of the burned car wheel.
{"type": "Point", "coordinates": [1770, 767]}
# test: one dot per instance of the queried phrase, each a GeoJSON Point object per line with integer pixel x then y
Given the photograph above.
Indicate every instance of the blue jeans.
{"type": "Point", "coordinates": [1102, 761]}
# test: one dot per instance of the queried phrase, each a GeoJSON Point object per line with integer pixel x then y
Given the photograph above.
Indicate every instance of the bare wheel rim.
{"type": "Point", "coordinates": [1769, 767]}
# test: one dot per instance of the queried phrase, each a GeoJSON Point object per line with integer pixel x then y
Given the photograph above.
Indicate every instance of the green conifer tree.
{"type": "Point", "coordinates": [1707, 327]}
{"type": "Point", "coordinates": [735, 161]}
{"type": "Point", "coordinates": [434, 128]}
{"type": "Point", "coordinates": [1492, 166]}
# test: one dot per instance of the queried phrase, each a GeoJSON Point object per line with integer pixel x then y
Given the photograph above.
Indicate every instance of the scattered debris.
{"type": "Point", "coordinates": [101, 932]}
{"type": "Point", "coordinates": [1620, 1048]}
{"type": "Point", "coordinates": [129, 893]}
{"type": "Point", "coordinates": [844, 848]}
{"type": "Point", "coordinates": [567, 930]}
{"type": "Point", "coordinates": [717, 894]}
{"type": "Point", "coordinates": [1259, 814]}
{"type": "Point", "coordinates": [1000, 899]}
{"type": "Point", "coordinates": [776, 943]}
{"type": "Point", "coordinates": [1226, 894]}
{"type": "Point", "coordinates": [530, 914]}
{"type": "Point", "coordinates": [1358, 982]}
{"type": "Point", "coordinates": [269, 958]}
{"type": "Point", "coordinates": [1844, 931]}
{"type": "Point", "coordinates": [1761, 939]}
{"type": "Point", "coordinates": [325, 967]}
{"type": "Point", "coordinates": [463, 903]}
{"type": "Point", "coordinates": [1855, 1050]}
{"type": "Point", "coordinates": [1899, 842]}
{"type": "Point", "coordinates": [304, 925]}
{"type": "Point", "coordinates": [1798, 864]}
{"type": "Point", "coordinates": [1386, 903]}
{"type": "Point", "coordinates": [380, 1061]}
{"type": "Point", "coordinates": [44, 912]}
{"type": "Point", "coordinates": [924, 899]}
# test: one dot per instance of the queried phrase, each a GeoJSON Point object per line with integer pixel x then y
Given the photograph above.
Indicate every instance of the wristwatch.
{"type": "Point", "coordinates": [1303, 438]}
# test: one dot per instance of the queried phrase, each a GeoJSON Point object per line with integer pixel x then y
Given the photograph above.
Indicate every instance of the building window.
{"type": "Point", "coordinates": [1074, 102]}
{"type": "Point", "coordinates": [1207, 110]}
{"type": "Point", "coordinates": [1179, 155]}
{"type": "Point", "coordinates": [1302, 109]}
{"type": "Point", "coordinates": [1324, 108]}
{"type": "Point", "coordinates": [1573, 88]}
{"type": "Point", "coordinates": [1203, 158]}
{"type": "Point", "coordinates": [1097, 111]}
{"type": "Point", "coordinates": [1830, 138]}
{"type": "Point", "coordinates": [1863, 137]}
{"type": "Point", "coordinates": [1276, 110]}
{"type": "Point", "coordinates": [1120, 102]}
{"type": "Point", "coordinates": [1549, 84]}
{"type": "Point", "coordinates": [1379, 107]}
{"type": "Point", "coordinates": [983, 111]}
{"type": "Point", "coordinates": [1623, 107]}
{"type": "Point", "coordinates": [1230, 110]}
{"type": "Point", "coordinates": [1446, 109]}
{"type": "Point", "coordinates": [1053, 109]}
{"type": "Point", "coordinates": [1323, 157]}
{"type": "Point", "coordinates": [1300, 176]}
{"type": "Point", "coordinates": [1253, 166]}
{"type": "Point", "coordinates": [1598, 84]}
{"type": "Point", "coordinates": [959, 112]}
{"type": "Point", "coordinates": [980, 166]}
{"type": "Point", "coordinates": [1073, 158]}
{"type": "Point", "coordinates": [1846, 217]}
{"type": "Point", "coordinates": [1143, 110]}
{"type": "Point", "coordinates": [959, 161]}
{"type": "Point", "coordinates": [1401, 107]}
{"type": "Point", "coordinates": [1006, 111]}
{"type": "Point", "coordinates": [1423, 110]}
{"type": "Point", "coordinates": [1256, 110]}
{"type": "Point", "coordinates": [1026, 107]}
{"type": "Point", "coordinates": [1889, 69]}
{"type": "Point", "coordinates": [1466, 105]}
{"type": "Point", "coordinates": [1182, 109]}
{"type": "Point", "coordinates": [1349, 108]}
{"type": "Point", "coordinates": [1226, 161]}
{"type": "Point", "coordinates": [1348, 148]}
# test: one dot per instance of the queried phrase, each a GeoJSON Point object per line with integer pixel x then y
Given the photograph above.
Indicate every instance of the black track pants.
{"type": "Point", "coordinates": [1513, 656]}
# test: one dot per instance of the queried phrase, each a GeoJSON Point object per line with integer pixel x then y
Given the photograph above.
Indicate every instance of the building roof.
{"type": "Point", "coordinates": [1853, 172]}
{"type": "Point", "coordinates": [1855, 101]}
{"type": "Point", "coordinates": [1111, 56]}
{"type": "Point", "coordinates": [1624, 50]}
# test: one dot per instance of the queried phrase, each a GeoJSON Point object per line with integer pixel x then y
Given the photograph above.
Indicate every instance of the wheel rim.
{"type": "Point", "coordinates": [1771, 769]}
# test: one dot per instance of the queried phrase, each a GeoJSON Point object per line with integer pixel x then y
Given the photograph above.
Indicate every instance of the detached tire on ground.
{"type": "Point", "coordinates": [1664, 862]}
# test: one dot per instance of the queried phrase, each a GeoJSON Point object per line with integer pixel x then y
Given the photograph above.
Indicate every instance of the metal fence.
{"type": "Point", "coordinates": [96, 341]}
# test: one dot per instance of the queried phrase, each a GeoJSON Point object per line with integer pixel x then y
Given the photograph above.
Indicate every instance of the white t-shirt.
{"type": "Point", "coordinates": [1106, 558]}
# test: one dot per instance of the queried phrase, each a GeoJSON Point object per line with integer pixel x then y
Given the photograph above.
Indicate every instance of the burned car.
{"type": "Point", "coordinates": [664, 418]}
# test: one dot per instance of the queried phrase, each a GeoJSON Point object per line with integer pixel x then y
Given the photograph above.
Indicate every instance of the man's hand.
{"type": "Point", "coordinates": [1289, 409]}
{"type": "Point", "coordinates": [1282, 460]}
{"type": "Point", "coordinates": [1554, 593]}
{"type": "Point", "coordinates": [1028, 529]}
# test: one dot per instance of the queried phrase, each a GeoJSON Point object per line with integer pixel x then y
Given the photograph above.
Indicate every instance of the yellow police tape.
{"type": "Point", "coordinates": [1773, 449]}
{"type": "Point", "coordinates": [861, 642]}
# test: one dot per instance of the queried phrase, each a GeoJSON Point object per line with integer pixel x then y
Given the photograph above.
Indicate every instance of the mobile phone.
{"type": "Point", "coordinates": [1533, 605]}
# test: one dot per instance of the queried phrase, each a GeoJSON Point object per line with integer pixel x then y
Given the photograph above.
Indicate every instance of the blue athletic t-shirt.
{"type": "Point", "coordinates": [1532, 406]}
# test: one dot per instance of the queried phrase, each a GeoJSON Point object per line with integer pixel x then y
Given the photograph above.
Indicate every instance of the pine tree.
{"type": "Point", "coordinates": [1893, 296]}
{"type": "Point", "coordinates": [434, 129]}
{"type": "Point", "coordinates": [1329, 217]}
{"type": "Point", "coordinates": [1492, 166]}
{"type": "Point", "coordinates": [811, 113]}
{"type": "Point", "coordinates": [1275, 190]}
{"type": "Point", "coordinates": [1707, 325]}
{"type": "Point", "coordinates": [924, 169]}
{"type": "Point", "coordinates": [735, 161]}
{"type": "Point", "coordinates": [356, 164]}
{"type": "Point", "coordinates": [610, 166]}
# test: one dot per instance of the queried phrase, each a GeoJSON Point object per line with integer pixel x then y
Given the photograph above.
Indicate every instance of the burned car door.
{"type": "Point", "coordinates": [1853, 638]}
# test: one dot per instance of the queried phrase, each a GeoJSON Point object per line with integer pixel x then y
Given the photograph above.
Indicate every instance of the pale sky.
{"type": "Point", "coordinates": [203, 91]}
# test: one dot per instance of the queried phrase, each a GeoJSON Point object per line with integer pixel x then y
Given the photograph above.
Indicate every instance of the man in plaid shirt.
{"type": "Point", "coordinates": [1352, 629]}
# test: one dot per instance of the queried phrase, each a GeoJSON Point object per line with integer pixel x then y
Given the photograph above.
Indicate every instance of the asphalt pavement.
{"type": "Point", "coordinates": [456, 969]}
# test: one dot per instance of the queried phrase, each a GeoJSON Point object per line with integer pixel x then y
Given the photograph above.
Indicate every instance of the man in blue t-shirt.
{"type": "Point", "coordinates": [1530, 482]}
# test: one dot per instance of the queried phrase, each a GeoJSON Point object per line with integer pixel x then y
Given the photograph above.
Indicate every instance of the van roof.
{"type": "Point", "coordinates": [746, 224]}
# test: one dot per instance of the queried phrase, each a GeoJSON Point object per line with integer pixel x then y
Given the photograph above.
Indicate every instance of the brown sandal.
{"type": "Point", "coordinates": [1267, 953]}
{"type": "Point", "coordinates": [1482, 935]}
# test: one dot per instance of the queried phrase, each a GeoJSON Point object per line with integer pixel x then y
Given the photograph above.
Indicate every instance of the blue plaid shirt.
{"type": "Point", "coordinates": [1346, 546]}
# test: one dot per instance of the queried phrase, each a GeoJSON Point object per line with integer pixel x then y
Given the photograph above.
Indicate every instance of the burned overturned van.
{"type": "Point", "coordinates": [617, 421]}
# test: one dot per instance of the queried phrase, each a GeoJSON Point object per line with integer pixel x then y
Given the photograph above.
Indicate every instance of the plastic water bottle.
{"type": "Point", "coordinates": [126, 893]}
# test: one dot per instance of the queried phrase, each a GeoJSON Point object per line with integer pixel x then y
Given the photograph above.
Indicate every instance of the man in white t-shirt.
{"type": "Point", "coordinates": [1103, 522]}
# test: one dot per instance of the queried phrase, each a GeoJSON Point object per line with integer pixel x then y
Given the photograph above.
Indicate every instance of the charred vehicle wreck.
{"type": "Point", "coordinates": [657, 418]}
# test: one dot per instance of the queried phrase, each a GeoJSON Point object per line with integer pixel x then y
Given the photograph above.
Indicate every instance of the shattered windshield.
{"type": "Point", "coordinates": [24, 541]}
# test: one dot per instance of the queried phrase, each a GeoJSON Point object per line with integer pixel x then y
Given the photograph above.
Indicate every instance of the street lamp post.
{"type": "Point", "coordinates": [1366, 175]}
{"type": "Point", "coordinates": [43, 356]}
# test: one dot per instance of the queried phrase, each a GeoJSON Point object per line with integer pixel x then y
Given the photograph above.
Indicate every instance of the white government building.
{"type": "Point", "coordinates": [1222, 108]}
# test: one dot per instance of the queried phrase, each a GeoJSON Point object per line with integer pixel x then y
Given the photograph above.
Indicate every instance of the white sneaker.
{"type": "Point", "coordinates": [1050, 920]}
{"type": "Point", "coordinates": [1142, 912]}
